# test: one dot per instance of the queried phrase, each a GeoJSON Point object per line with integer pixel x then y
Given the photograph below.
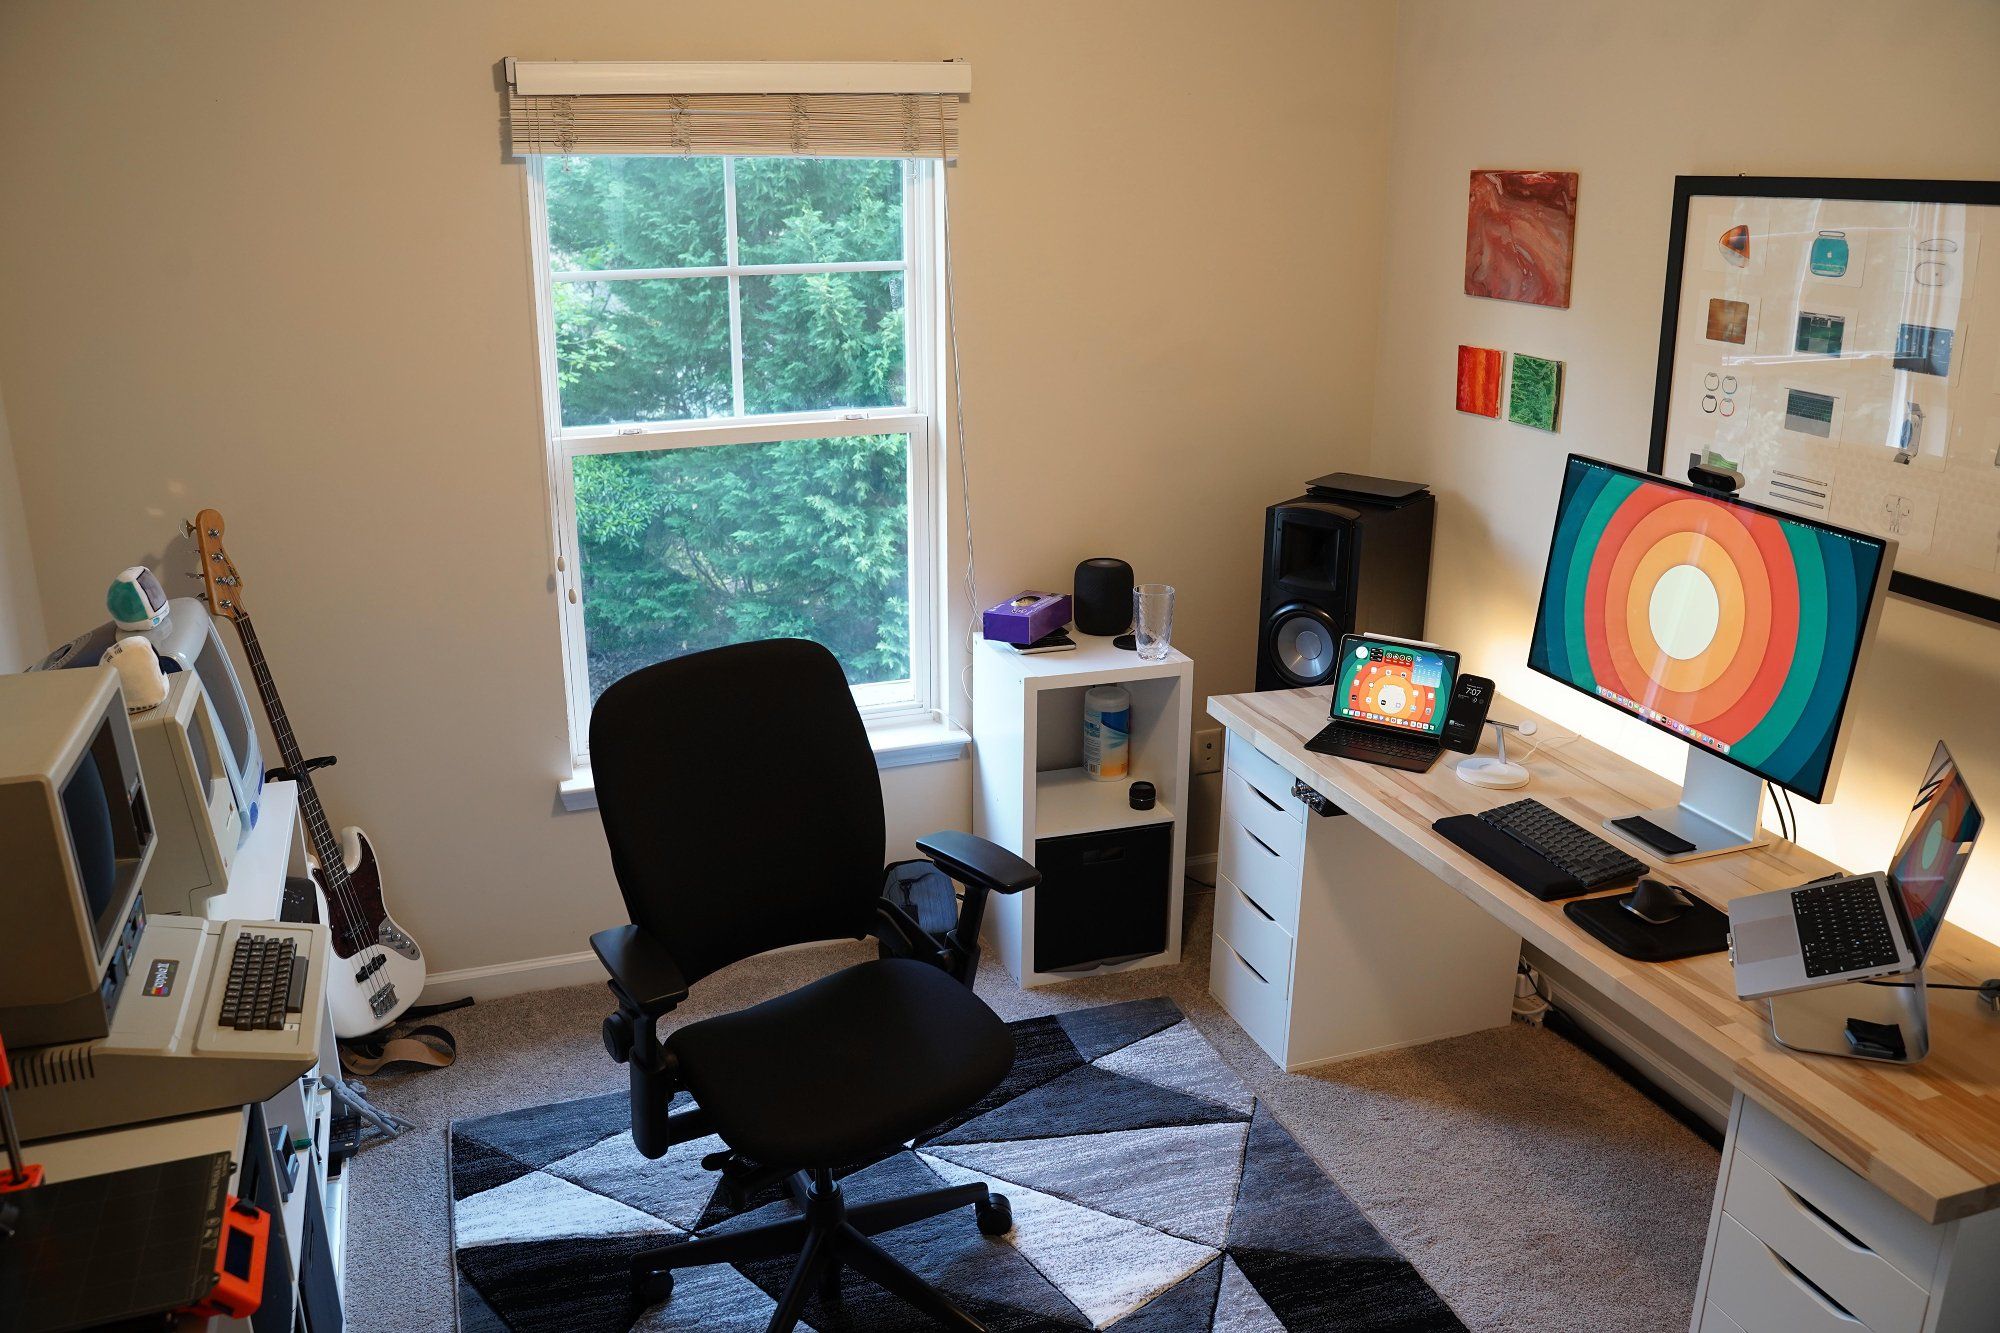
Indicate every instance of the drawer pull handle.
{"type": "Point", "coordinates": [1812, 1289]}
{"type": "Point", "coordinates": [1840, 1233]}
{"type": "Point", "coordinates": [1255, 906]}
{"type": "Point", "coordinates": [1260, 842]}
{"type": "Point", "coordinates": [1246, 962]}
{"type": "Point", "coordinates": [1262, 797]}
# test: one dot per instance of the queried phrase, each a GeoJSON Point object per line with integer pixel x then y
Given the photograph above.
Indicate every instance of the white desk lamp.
{"type": "Point", "coordinates": [1495, 770]}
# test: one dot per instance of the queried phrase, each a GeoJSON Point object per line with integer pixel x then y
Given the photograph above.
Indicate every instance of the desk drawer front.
{"type": "Point", "coordinates": [1910, 1244]}
{"type": "Point", "coordinates": [1270, 877]}
{"type": "Point", "coordinates": [1254, 933]}
{"type": "Point", "coordinates": [1832, 1258]}
{"type": "Point", "coordinates": [1714, 1321]}
{"type": "Point", "coordinates": [1760, 1291]}
{"type": "Point", "coordinates": [1256, 1005]}
{"type": "Point", "coordinates": [1265, 774]}
{"type": "Point", "coordinates": [1260, 812]}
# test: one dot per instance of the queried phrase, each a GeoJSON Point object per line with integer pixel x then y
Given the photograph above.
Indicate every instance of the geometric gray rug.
{"type": "Point", "coordinates": [1152, 1193]}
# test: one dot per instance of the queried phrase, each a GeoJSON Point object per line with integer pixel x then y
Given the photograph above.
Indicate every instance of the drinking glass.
{"type": "Point", "coordinates": [1153, 619]}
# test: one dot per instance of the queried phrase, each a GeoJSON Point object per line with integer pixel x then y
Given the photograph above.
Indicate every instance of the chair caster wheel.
{"type": "Point", "coordinates": [995, 1215]}
{"type": "Point", "coordinates": [655, 1286]}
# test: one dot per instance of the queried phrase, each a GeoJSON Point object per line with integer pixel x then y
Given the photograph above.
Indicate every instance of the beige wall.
{"type": "Point", "coordinates": [22, 639]}
{"type": "Point", "coordinates": [268, 258]}
{"type": "Point", "coordinates": [1630, 96]}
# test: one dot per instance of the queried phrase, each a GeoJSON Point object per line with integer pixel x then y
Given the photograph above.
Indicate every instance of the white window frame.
{"type": "Point", "coordinates": [883, 706]}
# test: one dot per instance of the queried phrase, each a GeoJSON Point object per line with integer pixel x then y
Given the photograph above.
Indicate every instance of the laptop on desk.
{"type": "Point", "coordinates": [1850, 928]}
{"type": "Point", "coordinates": [1390, 697]}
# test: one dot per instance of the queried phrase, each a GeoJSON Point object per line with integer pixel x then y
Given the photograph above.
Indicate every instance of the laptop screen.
{"type": "Point", "coordinates": [1394, 684]}
{"type": "Point", "coordinates": [1937, 842]}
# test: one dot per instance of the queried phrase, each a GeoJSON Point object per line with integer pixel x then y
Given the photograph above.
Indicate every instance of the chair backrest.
{"type": "Point", "coordinates": [740, 798]}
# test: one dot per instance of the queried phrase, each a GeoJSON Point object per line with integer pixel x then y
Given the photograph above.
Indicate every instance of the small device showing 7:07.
{"type": "Point", "coordinates": [1471, 696]}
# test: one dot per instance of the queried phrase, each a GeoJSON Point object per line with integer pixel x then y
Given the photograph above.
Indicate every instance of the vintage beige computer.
{"type": "Point", "coordinates": [196, 819]}
{"type": "Point", "coordinates": [112, 1017]}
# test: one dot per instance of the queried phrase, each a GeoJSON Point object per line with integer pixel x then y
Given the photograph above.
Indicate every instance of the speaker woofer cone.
{"type": "Point", "coordinates": [1302, 643]}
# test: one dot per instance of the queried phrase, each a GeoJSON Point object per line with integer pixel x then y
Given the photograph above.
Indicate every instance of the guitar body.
{"type": "Point", "coordinates": [378, 970]}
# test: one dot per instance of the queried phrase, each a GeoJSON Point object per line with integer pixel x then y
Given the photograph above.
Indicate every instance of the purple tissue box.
{"type": "Point", "coordinates": [1025, 617]}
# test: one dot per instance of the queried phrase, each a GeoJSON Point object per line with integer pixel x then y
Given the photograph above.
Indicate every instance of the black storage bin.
{"type": "Point", "coordinates": [1103, 896]}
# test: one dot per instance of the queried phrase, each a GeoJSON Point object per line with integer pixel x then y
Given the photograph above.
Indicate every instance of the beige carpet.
{"type": "Point", "coordinates": [1529, 1185]}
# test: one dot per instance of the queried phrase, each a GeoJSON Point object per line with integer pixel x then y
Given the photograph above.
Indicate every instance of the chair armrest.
{"type": "Point", "coordinates": [983, 867]}
{"type": "Point", "coordinates": [973, 860]}
{"type": "Point", "coordinates": [642, 971]}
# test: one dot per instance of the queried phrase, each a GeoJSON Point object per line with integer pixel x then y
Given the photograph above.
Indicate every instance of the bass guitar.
{"type": "Point", "coordinates": [378, 969]}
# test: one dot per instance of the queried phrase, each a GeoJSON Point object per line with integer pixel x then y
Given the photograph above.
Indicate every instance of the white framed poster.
{"type": "Point", "coordinates": [1838, 342]}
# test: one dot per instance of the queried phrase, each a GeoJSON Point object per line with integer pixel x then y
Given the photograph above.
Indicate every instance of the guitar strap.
{"type": "Point", "coordinates": [426, 1045]}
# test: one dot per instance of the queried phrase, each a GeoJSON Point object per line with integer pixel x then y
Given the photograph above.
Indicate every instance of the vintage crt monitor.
{"type": "Point", "coordinates": [111, 1017]}
{"type": "Point", "coordinates": [76, 835]}
{"type": "Point", "coordinates": [1736, 627]}
{"type": "Point", "coordinates": [187, 640]}
{"type": "Point", "coordinates": [182, 745]}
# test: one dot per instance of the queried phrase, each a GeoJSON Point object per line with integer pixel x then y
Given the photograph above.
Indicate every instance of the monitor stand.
{"type": "Point", "coordinates": [1721, 810]}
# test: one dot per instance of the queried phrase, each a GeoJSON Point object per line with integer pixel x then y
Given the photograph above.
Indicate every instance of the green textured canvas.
{"type": "Point", "coordinates": [1535, 394]}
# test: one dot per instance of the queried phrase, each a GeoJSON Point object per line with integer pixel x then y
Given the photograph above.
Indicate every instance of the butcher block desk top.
{"type": "Point", "coordinates": [1927, 1135]}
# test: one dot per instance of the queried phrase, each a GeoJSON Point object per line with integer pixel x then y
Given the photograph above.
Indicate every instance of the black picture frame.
{"type": "Point", "coordinates": [1947, 596]}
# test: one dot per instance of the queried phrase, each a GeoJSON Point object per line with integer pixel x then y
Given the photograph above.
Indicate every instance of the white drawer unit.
{"type": "Point", "coordinates": [1329, 942]}
{"type": "Point", "coordinates": [1257, 1006]}
{"type": "Point", "coordinates": [1264, 773]}
{"type": "Point", "coordinates": [1798, 1241]}
{"type": "Point", "coordinates": [1714, 1321]}
{"type": "Point", "coordinates": [1268, 875]}
{"type": "Point", "coordinates": [1254, 933]}
{"type": "Point", "coordinates": [1758, 1288]}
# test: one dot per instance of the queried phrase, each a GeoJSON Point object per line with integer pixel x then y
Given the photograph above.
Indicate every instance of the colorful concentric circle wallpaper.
{"type": "Point", "coordinates": [1731, 627]}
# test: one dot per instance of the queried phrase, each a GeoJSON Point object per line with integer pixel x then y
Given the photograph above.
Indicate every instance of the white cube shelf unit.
{"type": "Point", "coordinates": [1029, 783]}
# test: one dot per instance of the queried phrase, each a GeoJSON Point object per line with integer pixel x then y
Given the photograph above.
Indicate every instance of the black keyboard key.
{"type": "Point", "coordinates": [1843, 927]}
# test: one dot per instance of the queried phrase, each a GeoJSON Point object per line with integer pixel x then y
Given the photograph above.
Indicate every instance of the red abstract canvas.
{"type": "Point", "coordinates": [1520, 230]}
{"type": "Point", "coordinates": [1479, 381]}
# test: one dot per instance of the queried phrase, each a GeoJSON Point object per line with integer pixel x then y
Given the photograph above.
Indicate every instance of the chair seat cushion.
{"type": "Point", "coordinates": [849, 1065]}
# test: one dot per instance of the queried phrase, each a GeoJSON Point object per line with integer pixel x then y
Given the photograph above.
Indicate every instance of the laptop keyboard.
{"type": "Point", "coordinates": [1843, 927]}
{"type": "Point", "coordinates": [1562, 840]}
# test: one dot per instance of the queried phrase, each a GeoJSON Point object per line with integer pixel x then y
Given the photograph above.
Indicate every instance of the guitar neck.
{"type": "Point", "coordinates": [326, 848]}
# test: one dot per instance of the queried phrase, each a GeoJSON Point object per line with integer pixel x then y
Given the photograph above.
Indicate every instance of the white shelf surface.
{"type": "Point", "coordinates": [1069, 800]}
{"type": "Point", "coordinates": [1095, 662]}
{"type": "Point", "coordinates": [257, 874]}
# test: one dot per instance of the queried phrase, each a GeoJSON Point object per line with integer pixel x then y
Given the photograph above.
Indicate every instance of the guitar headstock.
{"type": "Point", "coordinates": [222, 585]}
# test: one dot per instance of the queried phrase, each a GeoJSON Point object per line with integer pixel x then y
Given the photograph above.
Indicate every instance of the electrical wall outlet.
{"type": "Point", "coordinates": [1208, 751]}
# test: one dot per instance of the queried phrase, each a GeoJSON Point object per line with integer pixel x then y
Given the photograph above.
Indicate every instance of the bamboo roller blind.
{"type": "Point", "coordinates": [785, 125]}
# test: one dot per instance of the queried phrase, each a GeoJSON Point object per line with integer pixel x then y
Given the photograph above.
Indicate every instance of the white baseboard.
{"type": "Point", "coordinates": [498, 979]}
{"type": "Point", "coordinates": [532, 974]}
{"type": "Point", "coordinates": [1695, 1088]}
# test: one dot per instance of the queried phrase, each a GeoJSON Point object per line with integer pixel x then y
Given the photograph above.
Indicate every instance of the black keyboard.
{"type": "Point", "coordinates": [1594, 862]}
{"type": "Point", "coordinates": [1378, 742]}
{"type": "Point", "coordinates": [267, 980]}
{"type": "Point", "coordinates": [1843, 927]}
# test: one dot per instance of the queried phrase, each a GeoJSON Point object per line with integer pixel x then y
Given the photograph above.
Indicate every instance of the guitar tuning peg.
{"type": "Point", "coordinates": [187, 527]}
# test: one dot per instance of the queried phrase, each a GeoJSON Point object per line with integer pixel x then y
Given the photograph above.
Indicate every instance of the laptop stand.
{"type": "Point", "coordinates": [1816, 1020]}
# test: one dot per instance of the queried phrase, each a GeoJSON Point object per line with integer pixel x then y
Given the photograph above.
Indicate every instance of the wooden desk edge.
{"type": "Point", "coordinates": [1965, 1196]}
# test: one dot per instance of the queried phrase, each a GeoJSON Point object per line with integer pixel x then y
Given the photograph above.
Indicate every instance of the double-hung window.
{"type": "Point", "coordinates": [739, 360]}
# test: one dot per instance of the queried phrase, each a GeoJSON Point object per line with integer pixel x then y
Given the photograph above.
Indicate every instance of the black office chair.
{"type": "Point", "coordinates": [741, 801]}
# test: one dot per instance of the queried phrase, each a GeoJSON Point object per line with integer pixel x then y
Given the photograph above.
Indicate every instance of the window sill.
{"type": "Point", "coordinates": [895, 747]}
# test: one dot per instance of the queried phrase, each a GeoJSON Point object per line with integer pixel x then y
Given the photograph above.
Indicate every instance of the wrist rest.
{"type": "Point", "coordinates": [1528, 868]}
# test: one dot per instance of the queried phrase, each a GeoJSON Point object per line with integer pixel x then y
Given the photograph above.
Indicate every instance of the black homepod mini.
{"type": "Point", "coordinates": [1103, 596]}
{"type": "Point", "coordinates": [1352, 555]}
